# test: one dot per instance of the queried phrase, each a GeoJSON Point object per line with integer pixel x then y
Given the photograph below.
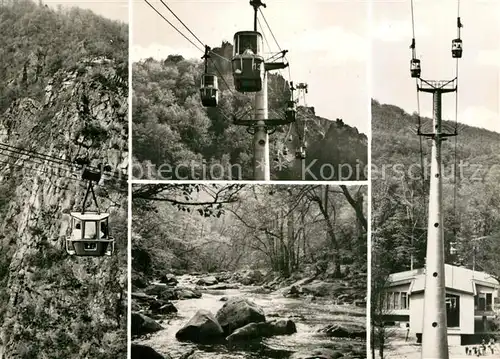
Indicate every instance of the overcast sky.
{"type": "Point", "coordinates": [435, 26]}
{"type": "Point", "coordinates": [112, 9]}
{"type": "Point", "coordinates": [327, 43]}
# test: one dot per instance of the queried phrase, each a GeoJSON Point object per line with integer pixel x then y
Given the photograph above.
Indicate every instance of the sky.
{"type": "Point", "coordinates": [327, 42]}
{"type": "Point", "coordinates": [435, 27]}
{"type": "Point", "coordinates": [111, 9]}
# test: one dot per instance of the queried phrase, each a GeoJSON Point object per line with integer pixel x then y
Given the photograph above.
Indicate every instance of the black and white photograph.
{"type": "Point", "coordinates": [435, 208]}
{"type": "Point", "coordinates": [63, 177]}
{"type": "Point", "coordinates": [249, 271]}
{"type": "Point", "coordinates": [250, 90]}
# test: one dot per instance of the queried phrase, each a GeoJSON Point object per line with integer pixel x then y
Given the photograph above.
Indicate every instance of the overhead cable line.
{"type": "Point", "coordinates": [180, 32]}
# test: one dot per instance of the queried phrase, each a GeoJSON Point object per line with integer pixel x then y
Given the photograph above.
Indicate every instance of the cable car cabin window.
{"type": "Point", "coordinates": [208, 80]}
{"type": "Point", "coordinates": [237, 64]}
{"type": "Point", "coordinates": [208, 92]}
{"type": "Point", "coordinates": [248, 41]}
{"type": "Point", "coordinates": [77, 229]}
{"type": "Point", "coordinates": [90, 230]}
{"type": "Point", "coordinates": [104, 228]}
{"type": "Point", "coordinates": [248, 65]}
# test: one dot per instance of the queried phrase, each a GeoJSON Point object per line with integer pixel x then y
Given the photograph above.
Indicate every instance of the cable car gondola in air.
{"type": "Point", "coordinates": [300, 153]}
{"type": "Point", "coordinates": [90, 235]}
{"type": "Point", "coordinates": [209, 91]}
{"type": "Point", "coordinates": [415, 68]}
{"type": "Point", "coordinates": [291, 107]}
{"type": "Point", "coordinates": [247, 62]}
{"type": "Point", "coordinates": [456, 48]}
{"type": "Point", "coordinates": [291, 111]}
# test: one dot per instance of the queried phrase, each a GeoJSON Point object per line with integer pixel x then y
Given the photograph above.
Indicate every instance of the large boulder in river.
{"type": "Point", "coordinates": [209, 280]}
{"type": "Point", "coordinates": [162, 307]}
{"type": "Point", "coordinates": [201, 328]}
{"type": "Point", "coordinates": [263, 329]}
{"type": "Point", "coordinates": [320, 353]}
{"type": "Point", "coordinates": [169, 279]}
{"type": "Point", "coordinates": [139, 281]}
{"type": "Point", "coordinates": [344, 331]}
{"type": "Point", "coordinates": [187, 293]}
{"type": "Point", "coordinates": [142, 324]}
{"type": "Point", "coordinates": [238, 312]}
{"type": "Point", "coordinates": [140, 351]}
{"type": "Point", "coordinates": [162, 291]}
{"type": "Point", "coordinates": [251, 276]}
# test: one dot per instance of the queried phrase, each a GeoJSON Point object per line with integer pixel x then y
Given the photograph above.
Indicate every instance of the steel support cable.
{"type": "Point", "coordinates": [35, 153]}
{"type": "Point", "coordinates": [187, 28]}
{"type": "Point", "coordinates": [175, 28]}
{"type": "Point", "coordinates": [17, 156]}
{"type": "Point", "coordinates": [42, 156]}
{"type": "Point", "coordinates": [48, 173]}
{"type": "Point", "coordinates": [30, 161]}
{"type": "Point", "coordinates": [263, 35]}
{"type": "Point", "coordinates": [276, 41]}
{"type": "Point", "coordinates": [70, 165]}
{"type": "Point", "coordinates": [227, 85]}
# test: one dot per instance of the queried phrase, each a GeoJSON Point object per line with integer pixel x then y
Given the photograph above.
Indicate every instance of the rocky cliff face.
{"type": "Point", "coordinates": [335, 150]}
{"type": "Point", "coordinates": [53, 305]}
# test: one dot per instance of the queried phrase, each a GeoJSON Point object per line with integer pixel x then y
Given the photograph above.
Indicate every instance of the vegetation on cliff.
{"type": "Point", "coordinates": [63, 93]}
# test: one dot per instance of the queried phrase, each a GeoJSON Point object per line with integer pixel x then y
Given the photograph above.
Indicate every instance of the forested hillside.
{"type": "Point", "coordinates": [171, 127]}
{"type": "Point", "coordinates": [400, 195]}
{"type": "Point", "coordinates": [238, 230]}
{"type": "Point", "coordinates": [63, 98]}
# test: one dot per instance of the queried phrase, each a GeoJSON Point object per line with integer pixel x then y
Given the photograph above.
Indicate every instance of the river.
{"type": "Point", "coordinates": [309, 316]}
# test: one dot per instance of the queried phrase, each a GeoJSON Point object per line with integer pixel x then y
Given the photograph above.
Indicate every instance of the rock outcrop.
{"type": "Point", "coordinates": [53, 305]}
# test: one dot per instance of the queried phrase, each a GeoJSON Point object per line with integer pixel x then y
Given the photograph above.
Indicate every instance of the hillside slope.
{"type": "Point", "coordinates": [172, 129]}
{"type": "Point", "coordinates": [471, 199]}
{"type": "Point", "coordinates": [69, 107]}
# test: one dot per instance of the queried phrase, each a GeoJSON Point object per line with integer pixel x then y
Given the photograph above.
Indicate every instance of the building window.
{"type": "Point", "coordinates": [483, 302]}
{"type": "Point", "coordinates": [404, 300]}
{"type": "Point", "coordinates": [397, 300]}
{"type": "Point", "coordinates": [453, 310]}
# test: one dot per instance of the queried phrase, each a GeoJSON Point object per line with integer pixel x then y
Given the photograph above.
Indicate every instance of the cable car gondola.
{"type": "Point", "coordinates": [90, 235]}
{"type": "Point", "coordinates": [209, 90]}
{"type": "Point", "coordinates": [291, 111]}
{"type": "Point", "coordinates": [415, 68]}
{"type": "Point", "coordinates": [247, 61]}
{"type": "Point", "coordinates": [300, 153]}
{"type": "Point", "coordinates": [456, 48]}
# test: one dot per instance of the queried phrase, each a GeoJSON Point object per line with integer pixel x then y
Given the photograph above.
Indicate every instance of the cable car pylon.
{"type": "Point", "coordinates": [434, 323]}
{"type": "Point", "coordinates": [250, 75]}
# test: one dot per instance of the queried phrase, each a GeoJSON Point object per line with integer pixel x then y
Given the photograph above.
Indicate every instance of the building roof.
{"type": "Point", "coordinates": [456, 278]}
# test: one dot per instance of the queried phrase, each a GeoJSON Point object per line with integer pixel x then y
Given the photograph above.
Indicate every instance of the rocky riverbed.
{"type": "Point", "coordinates": [233, 317]}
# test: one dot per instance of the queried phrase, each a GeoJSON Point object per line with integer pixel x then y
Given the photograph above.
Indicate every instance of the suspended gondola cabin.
{"type": "Point", "coordinates": [300, 153]}
{"type": "Point", "coordinates": [209, 91]}
{"type": "Point", "coordinates": [415, 68]}
{"type": "Point", "coordinates": [456, 48]}
{"type": "Point", "coordinates": [247, 61]}
{"type": "Point", "coordinates": [90, 235]}
{"type": "Point", "coordinates": [291, 111]}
